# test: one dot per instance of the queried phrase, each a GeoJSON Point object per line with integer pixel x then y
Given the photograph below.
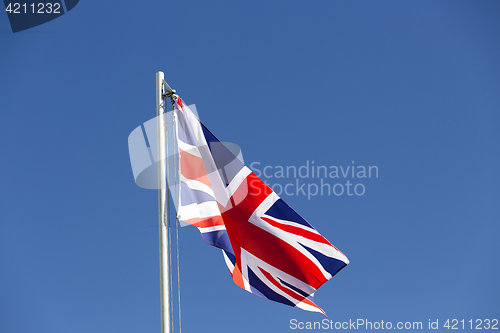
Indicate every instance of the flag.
{"type": "Point", "coordinates": [269, 249]}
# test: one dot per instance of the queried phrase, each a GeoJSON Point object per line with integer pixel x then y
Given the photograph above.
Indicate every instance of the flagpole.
{"type": "Point", "coordinates": [162, 197]}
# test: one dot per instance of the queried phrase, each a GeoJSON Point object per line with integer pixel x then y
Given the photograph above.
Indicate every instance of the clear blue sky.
{"type": "Point", "coordinates": [412, 87]}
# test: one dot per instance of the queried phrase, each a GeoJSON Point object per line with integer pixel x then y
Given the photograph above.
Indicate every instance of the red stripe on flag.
{"type": "Point", "coordinates": [206, 222]}
{"type": "Point", "coordinates": [192, 167]}
{"type": "Point", "coordinates": [297, 231]}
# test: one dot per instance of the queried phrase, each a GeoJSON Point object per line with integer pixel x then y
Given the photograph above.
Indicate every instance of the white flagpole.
{"type": "Point", "coordinates": [162, 197]}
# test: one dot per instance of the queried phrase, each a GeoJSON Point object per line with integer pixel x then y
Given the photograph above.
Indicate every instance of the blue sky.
{"type": "Point", "coordinates": [410, 87]}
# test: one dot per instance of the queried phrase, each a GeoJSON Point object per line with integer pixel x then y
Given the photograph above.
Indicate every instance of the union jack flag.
{"type": "Point", "coordinates": [270, 250]}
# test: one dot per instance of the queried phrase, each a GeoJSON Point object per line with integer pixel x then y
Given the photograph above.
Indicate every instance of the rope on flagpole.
{"type": "Point", "coordinates": [169, 239]}
{"type": "Point", "coordinates": [176, 204]}
{"type": "Point", "coordinates": [170, 253]}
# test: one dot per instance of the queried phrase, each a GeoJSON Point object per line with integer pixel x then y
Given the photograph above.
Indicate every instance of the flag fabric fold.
{"type": "Point", "coordinates": [269, 249]}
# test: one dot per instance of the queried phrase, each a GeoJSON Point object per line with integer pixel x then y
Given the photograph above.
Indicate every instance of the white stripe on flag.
{"type": "Point", "coordinates": [199, 210]}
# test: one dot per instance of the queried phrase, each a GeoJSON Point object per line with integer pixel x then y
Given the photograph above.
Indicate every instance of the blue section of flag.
{"type": "Point", "coordinates": [268, 293]}
{"type": "Point", "coordinates": [190, 196]}
{"type": "Point", "coordinates": [228, 165]}
{"type": "Point", "coordinates": [231, 256]}
{"type": "Point", "coordinates": [280, 210]}
{"type": "Point", "coordinates": [209, 137]}
{"type": "Point", "coordinates": [297, 290]}
{"type": "Point", "coordinates": [219, 239]}
{"type": "Point", "coordinates": [331, 265]}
